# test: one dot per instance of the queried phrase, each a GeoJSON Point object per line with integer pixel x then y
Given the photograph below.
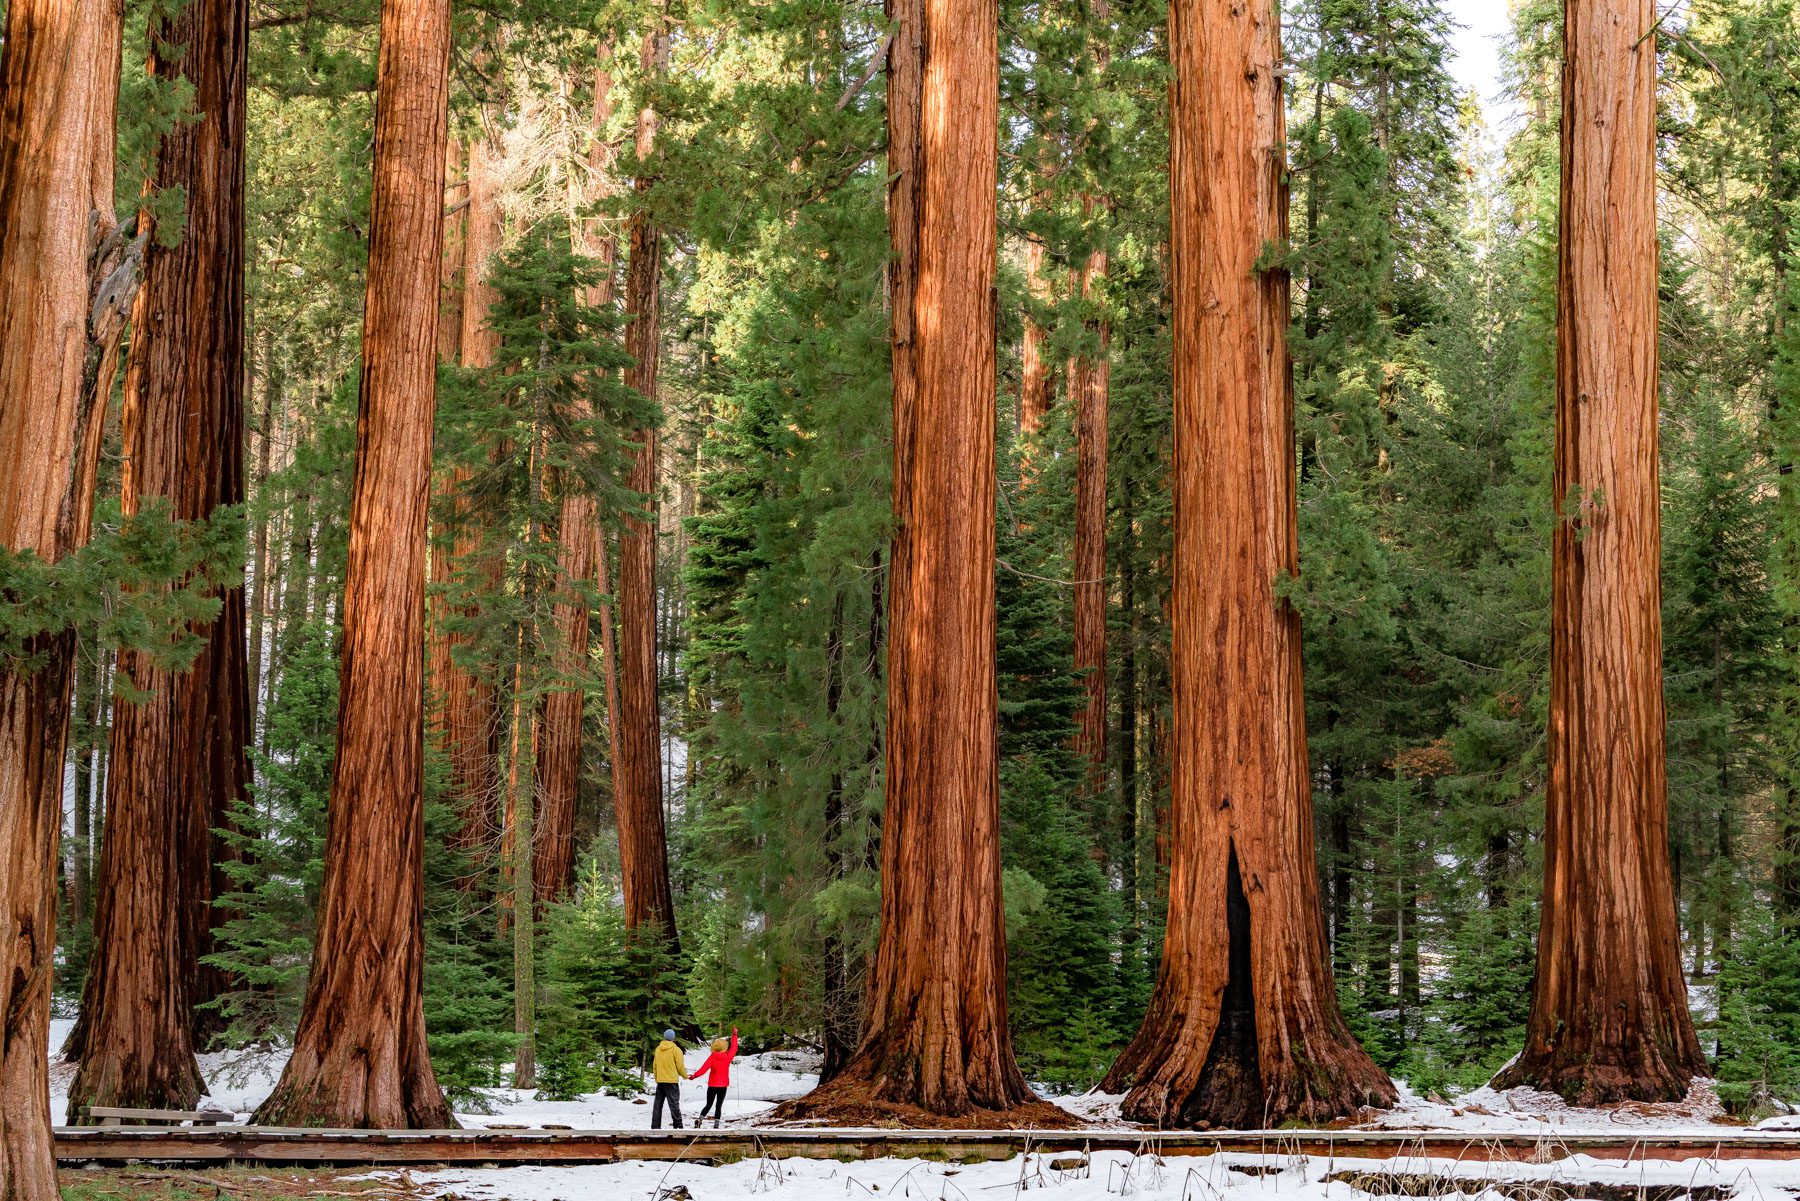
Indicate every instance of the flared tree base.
{"type": "Point", "coordinates": [852, 1103]}
{"type": "Point", "coordinates": [1173, 1079]}
{"type": "Point", "coordinates": [340, 1100]}
{"type": "Point", "coordinates": [1586, 1079]}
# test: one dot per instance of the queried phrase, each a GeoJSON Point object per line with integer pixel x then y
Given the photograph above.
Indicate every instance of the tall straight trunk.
{"type": "Point", "coordinates": [1609, 1015]}
{"type": "Point", "coordinates": [609, 674]}
{"type": "Point", "coordinates": [1130, 834]}
{"type": "Point", "coordinates": [1037, 385]}
{"type": "Point", "coordinates": [936, 1035]}
{"type": "Point", "coordinates": [444, 679]}
{"type": "Point", "coordinates": [470, 713]}
{"type": "Point", "coordinates": [1090, 381]}
{"type": "Point", "coordinates": [521, 792]}
{"type": "Point", "coordinates": [558, 759]}
{"type": "Point", "coordinates": [837, 1036]}
{"type": "Point", "coordinates": [1243, 1027]}
{"type": "Point", "coordinates": [360, 1058]}
{"type": "Point", "coordinates": [262, 608]}
{"type": "Point", "coordinates": [637, 769]}
{"type": "Point", "coordinates": [59, 81]}
{"type": "Point", "coordinates": [89, 712]}
{"type": "Point", "coordinates": [180, 764]}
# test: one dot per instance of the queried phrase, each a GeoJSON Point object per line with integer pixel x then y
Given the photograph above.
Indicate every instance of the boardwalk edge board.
{"type": "Point", "coordinates": [276, 1145]}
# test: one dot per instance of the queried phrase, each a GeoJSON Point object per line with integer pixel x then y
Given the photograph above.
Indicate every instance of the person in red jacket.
{"type": "Point", "coordinates": [719, 1065]}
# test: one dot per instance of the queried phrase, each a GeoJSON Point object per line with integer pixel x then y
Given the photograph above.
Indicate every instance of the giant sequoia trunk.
{"type": "Point", "coordinates": [359, 1057]}
{"type": "Point", "coordinates": [1609, 1015]}
{"type": "Point", "coordinates": [578, 547]}
{"type": "Point", "coordinates": [637, 767]}
{"type": "Point", "coordinates": [59, 79]}
{"type": "Point", "coordinates": [936, 1035]}
{"type": "Point", "coordinates": [1243, 1027]}
{"type": "Point", "coordinates": [179, 756]}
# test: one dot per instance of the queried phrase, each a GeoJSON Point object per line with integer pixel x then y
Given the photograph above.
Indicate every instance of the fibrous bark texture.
{"type": "Point", "coordinates": [179, 756]}
{"type": "Point", "coordinates": [360, 1057]}
{"type": "Point", "coordinates": [936, 1036]}
{"type": "Point", "coordinates": [1243, 1027]}
{"type": "Point", "coordinates": [637, 767]}
{"type": "Point", "coordinates": [59, 79]}
{"type": "Point", "coordinates": [559, 753]}
{"type": "Point", "coordinates": [1609, 1015]}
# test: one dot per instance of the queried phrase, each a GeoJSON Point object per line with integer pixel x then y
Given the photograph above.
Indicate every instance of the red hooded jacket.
{"type": "Point", "coordinates": [719, 1064]}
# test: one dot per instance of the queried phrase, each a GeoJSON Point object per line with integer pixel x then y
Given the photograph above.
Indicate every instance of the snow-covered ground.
{"type": "Point", "coordinates": [1108, 1175]}
{"type": "Point", "coordinates": [240, 1080]}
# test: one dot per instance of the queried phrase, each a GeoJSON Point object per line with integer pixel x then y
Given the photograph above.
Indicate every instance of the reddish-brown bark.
{"type": "Point", "coordinates": [1090, 381]}
{"type": "Point", "coordinates": [1243, 1027]}
{"type": "Point", "coordinates": [1609, 1015]}
{"type": "Point", "coordinates": [936, 1036]}
{"type": "Point", "coordinates": [59, 79]}
{"type": "Point", "coordinates": [637, 765]}
{"type": "Point", "coordinates": [469, 714]}
{"type": "Point", "coordinates": [1037, 385]}
{"type": "Point", "coordinates": [441, 673]}
{"type": "Point", "coordinates": [360, 1058]}
{"type": "Point", "coordinates": [559, 751]}
{"type": "Point", "coordinates": [179, 756]}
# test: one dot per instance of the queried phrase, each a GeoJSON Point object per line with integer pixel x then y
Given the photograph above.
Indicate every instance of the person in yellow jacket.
{"type": "Point", "coordinates": [670, 1066]}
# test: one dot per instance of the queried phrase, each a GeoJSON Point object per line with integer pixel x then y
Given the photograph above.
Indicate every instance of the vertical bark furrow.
{"type": "Point", "coordinates": [59, 79]}
{"type": "Point", "coordinates": [559, 753]}
{"type": "Point", "coordinates": [936, 1035]}
{"type": "Point", "coordinates": [179, 756]}
{"type": "Point", "coordinates": [1609, 1017]}
{"type": "Point", "coordinates": [1240, 788]}
{"type": "Point", "coordinates": [360, 1057]}
{"type": "Point", "coordinates": [637, 767]}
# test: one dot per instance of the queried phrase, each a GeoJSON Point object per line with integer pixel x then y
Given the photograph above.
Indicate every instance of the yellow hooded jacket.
{"type": "Point", "coordinates": [670, 1064]}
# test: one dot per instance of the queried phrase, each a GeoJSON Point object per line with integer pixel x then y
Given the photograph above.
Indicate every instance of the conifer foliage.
{"type": "Point", "coordinates": [998, 546]}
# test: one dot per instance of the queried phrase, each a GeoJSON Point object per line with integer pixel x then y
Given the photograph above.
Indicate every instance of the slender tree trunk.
{"type": "Point", "coordinates": [521, 802]}
{"type": "Point", "coordinates": [937, 1035]}
{"type": "Point", "coordinates": [1130, 840]}
{"type": "Point", "coordinates": [447, 685]}
{"type": "Point", "coordinates": [1243, 1027]}
{"type": "Point", "coordinates": [637, 769]}
{"type": "Point", "coordinates": [262, 608]}
{"type": "Point", "coordinates": [1090, 392]}
{"type": "Point", "coordinates": [1037, 385]}
{"type": "Point", "coordinates": [59, 80]}
{"type": "Point", "coordinates": [1609, 1015]}
{"type": "Point", "coordinates": [837, 1036]}
{"type": "Point", "coordinates": [89, 708]}
{"type": "Point", "coordinates": [609, 675]}
{"type": "Point", "coordinates": [470, 706]}
{"type": "Point", "coordinates": [559, 754]}
{"type": "Point", "coordinates": [360, 1058]}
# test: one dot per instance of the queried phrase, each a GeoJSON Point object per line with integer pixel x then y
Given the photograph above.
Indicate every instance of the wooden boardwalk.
{"type": "Point", "coordinates": [288, 1146]}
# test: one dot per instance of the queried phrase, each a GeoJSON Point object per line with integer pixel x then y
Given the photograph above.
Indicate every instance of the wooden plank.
{"type": "Point", "coordinates": [272, 1145]}
{"type": "Point", "coordinates": [116, 1114]}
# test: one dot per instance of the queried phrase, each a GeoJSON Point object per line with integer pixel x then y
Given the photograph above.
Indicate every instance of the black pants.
{"type": "Point", "coordinates": [715, 1104]}
{"type": "Point", "coordinates": [672, 1094]}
